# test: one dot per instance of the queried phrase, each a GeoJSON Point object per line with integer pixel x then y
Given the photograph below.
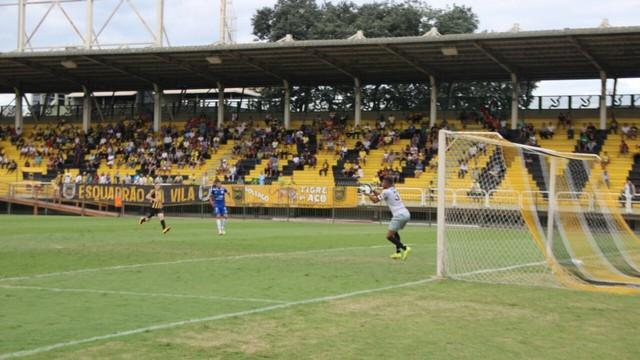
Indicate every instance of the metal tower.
{"type": "Point", "coordinates": [227, 32]}
{"type": "Point", "coordinates": [91, 36]}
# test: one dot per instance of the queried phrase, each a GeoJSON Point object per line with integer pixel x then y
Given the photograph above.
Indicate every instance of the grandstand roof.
{"type": "Point", "coordinates": [533, 55]}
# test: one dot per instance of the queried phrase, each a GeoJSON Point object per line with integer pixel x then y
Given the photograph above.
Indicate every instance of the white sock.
{"type": "Point", "coordinates": [219, 223]}
{"type": "Point", "coordinates": [224, 223]}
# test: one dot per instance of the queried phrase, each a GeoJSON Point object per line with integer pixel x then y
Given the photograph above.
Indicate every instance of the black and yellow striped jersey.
{"type": "Point", "coordinates": [157, 197]}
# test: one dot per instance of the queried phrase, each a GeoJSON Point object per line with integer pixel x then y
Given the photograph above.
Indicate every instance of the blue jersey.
{"type": "Point", "coordinates": [218, 195]}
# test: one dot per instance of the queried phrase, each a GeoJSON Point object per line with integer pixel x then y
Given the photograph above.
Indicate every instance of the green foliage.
{"type": "Point", "coordinates": [338, 21]}
{"type": "Point", "coordinates": [308, 20]}
{"type": "Point", "coordinates": [262, 23]}
{"type": "Point", "coordinates": [456, 20]}
{"type": "Point", "coordinates": [388, 19]}
{"type": "Point", "coordinates": [295, 17]}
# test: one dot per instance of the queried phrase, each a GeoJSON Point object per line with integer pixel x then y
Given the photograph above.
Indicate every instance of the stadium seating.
{"type": "Point", "coordinates": [620, 168]}
{"type": "Point", "coordinates": [7, 178]}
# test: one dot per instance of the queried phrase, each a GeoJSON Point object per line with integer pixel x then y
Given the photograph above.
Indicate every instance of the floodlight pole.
{"type": "Point", "coordinates": [287, 105]}
{"type": "Point", "coordinates": [515, 94]}
{"type": "Point", "coordinates": [220, 104]}
{"type": "Point", "coordinates": [358, 102]}
{"type": "Point", "coordinates": [19, 120]}
{"type": "Point", "coordinates": [86, 110]}
{"type": "Point", "coordinates": [159, 22]}
{"type": "Point", "coordinates": [157, 107]}
{"type": "Point", "coordinates": [433, 101]}
{"type": "Point", "coordinates": [88, 37]}
{"type": "Point", "coordinates": [223, 21]}
{"type": "Point", "coordinates": [22, 9]}
{"type": "Point", "coordinates": [603, 100]}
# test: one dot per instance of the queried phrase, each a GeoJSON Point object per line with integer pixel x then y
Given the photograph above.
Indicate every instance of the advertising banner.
{"type": "Point", "coordinates": [134, 194]}
{"type": "Point", "coordinates": [302, 196]}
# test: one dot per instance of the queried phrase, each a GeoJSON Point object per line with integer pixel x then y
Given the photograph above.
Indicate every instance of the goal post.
{"type": "Point", "coordinates": [552, 204]}
{"type": "Point", "coordinates": [440, 218]}
{"type": "Point", "coordinates": [517, 214]}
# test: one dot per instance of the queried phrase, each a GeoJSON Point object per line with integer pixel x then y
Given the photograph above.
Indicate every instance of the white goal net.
{"type": "Point", "coordinates": [515, 214]}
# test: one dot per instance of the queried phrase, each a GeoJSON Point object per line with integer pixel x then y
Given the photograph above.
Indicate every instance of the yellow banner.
{"type": "Point", "coordinates": [241, 195]}
{"type": "Point", "coordinates": [294, 196]}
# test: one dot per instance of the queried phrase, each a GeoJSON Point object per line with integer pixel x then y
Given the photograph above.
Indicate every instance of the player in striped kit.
{"type": "Point", "coordinates": [156, 197]}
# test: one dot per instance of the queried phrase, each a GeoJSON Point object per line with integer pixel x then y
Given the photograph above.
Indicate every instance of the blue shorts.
{"type": "Point", "coordinates": [220, 211]}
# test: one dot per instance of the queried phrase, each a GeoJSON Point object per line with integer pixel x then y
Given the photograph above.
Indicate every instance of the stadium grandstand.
{"type": "Point", "coordinates": [403, 191]}
{"type": "Point", "coordinates": [163, 131]}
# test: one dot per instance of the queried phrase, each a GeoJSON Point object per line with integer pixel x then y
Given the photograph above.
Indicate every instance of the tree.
{"type": "Point", "coordinates": [337, 21]}
{"type": "Point", "coordinates": [456, 20]}
{"type": "Point", "coordinates": [262, 23]}
{"type": "Point", "coordinates": [295, 17]}
{"type": "Point", "coordinates": [306, 20]}
{"type": "Point", "coordinates": [388, 19]}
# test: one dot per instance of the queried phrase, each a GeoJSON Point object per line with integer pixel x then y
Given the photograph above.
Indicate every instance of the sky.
{"type": "Point", "coordinates": [195, 22]}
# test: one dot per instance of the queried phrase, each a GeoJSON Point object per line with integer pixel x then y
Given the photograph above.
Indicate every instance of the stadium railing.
{"type": "Point", "coordinates": [421, 202]}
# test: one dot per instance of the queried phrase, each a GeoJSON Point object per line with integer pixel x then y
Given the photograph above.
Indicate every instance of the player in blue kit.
{"type": "Point", "coordinates": [216, 199]}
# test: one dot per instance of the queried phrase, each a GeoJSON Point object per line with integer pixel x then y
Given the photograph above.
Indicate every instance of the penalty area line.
{"type": "Point", "coordinates": [209, 318]}
{"type": "Point", "coordinates": [142, 294]}
{"type": "Point", "coordinates": [186, 261]}
{"type": "Point", "coordinates": [226, 316]}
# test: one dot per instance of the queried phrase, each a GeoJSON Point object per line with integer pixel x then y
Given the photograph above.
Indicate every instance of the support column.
{"type": "Point", "coordinates": [433, 101]}
{"type": "Point", "coordinates": [159, 23]}
{"type": "Point", "coordinates": [56, 100]}
{"type": "Point", "coordinates": [19, 124]}
{"type": "Point", "coordinates": [88, 37]}
{"type": "Point", "coordinates": [287, 105]}
{"type": "Point", "coordinates": [603, 100]}
{"type": "Point", "coordinates": [515, 95]}
{"type": "Point", "coordinates": [157, 108]}
{"type": "Point", "coordinates": [358, 102]}
{"type": "Point", "coordinates": [220, 105]}
{"type": "Point", "coordinates": [22, 9]}
{"type": "Point", "coordinates": [86, 111]}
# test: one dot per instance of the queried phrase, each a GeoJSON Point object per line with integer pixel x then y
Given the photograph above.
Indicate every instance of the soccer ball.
{"type": "Point", "coordinates": [365, 189]}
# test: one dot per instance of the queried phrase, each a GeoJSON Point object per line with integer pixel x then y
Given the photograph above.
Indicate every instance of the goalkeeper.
{"type": "Point", "coordinates": [401, 215]}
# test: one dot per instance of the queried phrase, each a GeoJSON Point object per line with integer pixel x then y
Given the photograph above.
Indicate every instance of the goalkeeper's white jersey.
{"type": "Point", "coordinates": [393, 200]}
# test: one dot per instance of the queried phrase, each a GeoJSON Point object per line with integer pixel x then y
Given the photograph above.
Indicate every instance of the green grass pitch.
{"type": "Point", "coordinates": [85, 288]}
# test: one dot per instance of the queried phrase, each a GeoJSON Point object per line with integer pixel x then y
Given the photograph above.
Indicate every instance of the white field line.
{"type": "Point", "coordinates": [506, 268]}
{"type": "Point", "coordinates": [185, 261]}
{"type": "Point", "coordinates": [144, 294]}
{"type": "Point", "coordinates": [229, 315]}
{"type": "Point", "coordinates": [209, 318]}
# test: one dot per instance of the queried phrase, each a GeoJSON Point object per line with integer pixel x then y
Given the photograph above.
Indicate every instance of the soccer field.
{"type": "Point", "coordinates": [108, 288]}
